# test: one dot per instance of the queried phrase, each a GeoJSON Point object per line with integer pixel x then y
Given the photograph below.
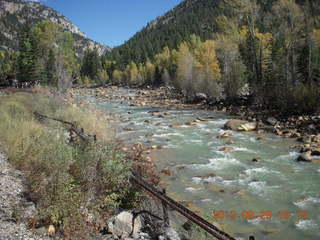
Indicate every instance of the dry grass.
{"type": "Point", "coordinates": [66, 181]}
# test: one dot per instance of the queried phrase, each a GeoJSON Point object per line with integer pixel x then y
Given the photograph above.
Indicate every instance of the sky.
{"type": "Point", "coordinates": [111, 22]}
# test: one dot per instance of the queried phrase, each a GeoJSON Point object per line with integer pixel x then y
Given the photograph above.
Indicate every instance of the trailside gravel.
{"type": "Point", "coordinates": [11, 196]}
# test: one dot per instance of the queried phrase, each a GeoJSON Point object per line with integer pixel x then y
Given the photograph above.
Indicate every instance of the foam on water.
{"type": "Point", "coordinates": [307, 202]}
{"type": "Point", "coordinates": [260, 188]}
{"type": "Point", "coordinates": [197, 180]}
{"type": "Point", "coordinates": [218, 122]}
{"type": "Point", "coordinates": [170, 145]}
{"type": "Point", "coordinates": [307, 225]}
{"type": "Point", "coordinates": [217, 163]}
{"type": "Point", "coordinates": [163, 135]}
{"type": "Point", "coordinates": [221, 163]}
{"type": "Point", "coordinates": [244, 149]}
{"type": "Point", "coordinates": [191, 189]}
{"type": "Point", "coordinates": [216, 179]}
{"type": "Point", "coordinates": [253, 171]}
{"type": "Point", "coordinates": [194, 141]}
{"type": "Point", "coordinates": [290, 155]}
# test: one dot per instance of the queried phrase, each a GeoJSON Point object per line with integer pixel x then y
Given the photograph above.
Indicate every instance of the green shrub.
{"type": "Point", "coordinates": [66, 181]}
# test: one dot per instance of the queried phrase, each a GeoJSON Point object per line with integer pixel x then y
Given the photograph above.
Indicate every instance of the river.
{"type": "Point", "coordinates": [227, 186]}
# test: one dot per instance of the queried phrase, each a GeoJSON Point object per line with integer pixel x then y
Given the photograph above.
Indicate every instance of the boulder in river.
{"type": "Point", "coordinates": [305, 157]}
{"type": "Point", "coordinates": [225, 135]}
{"type": "Point", "coordinates": [182, 166]}
{"type": "Point", "coordinates": [190, 124]}
{"type": "Point", "coordinates": [257, 159]}
{"type": "Point", "coordinates": [167, 171]}
{"type": "Point", "coordinates": [226, 149]}
{"type": "Point", "coordinates": [240, 125]}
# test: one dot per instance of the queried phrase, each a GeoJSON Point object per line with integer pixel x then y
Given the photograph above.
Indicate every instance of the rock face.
{"type": "Point", "coordinates": [15, 13]}
{"type": "Point", "coordinates": [121, 225]}
{"type": "Point", "coordinates": [240, 125]}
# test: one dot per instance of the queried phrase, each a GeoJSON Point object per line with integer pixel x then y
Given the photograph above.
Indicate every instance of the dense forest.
{"type": "Point", "coordinates": [268, 50]}
{"type": "Point", "coordinates": [271, 47]}
{"type": "Point", "coordinates": [46, 56]}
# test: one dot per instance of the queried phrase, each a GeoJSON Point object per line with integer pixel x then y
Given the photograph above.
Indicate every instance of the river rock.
{"type": "Point", "coordinates": [240, 125]}
{"type": "Point", "coordinates": [182, 166]}
{"type": "Point", "coordinates": [155, 147]}
{"type": "Point", "coordinates": [226, 149]}
{"type": "Point", "coordinates": [121, 225]}
{"type": "Point", "coordinates": [128, 129]}
{"type": "Point", "coordinates": [51, 231]}
{"type": "Point", "coordinates": [305, 157]}
{"type": "Point", "coordinates": [190, 123]}
{"type": "Point", "coordinates": [272, 121]}
{"type": "Point", "coordinates": [167, 171]}
{"type": "Point", "coordinates": [229, 142]}
{"type": "Point", "coordinates": [225, 135]}
{"type": "Point", "coordinates": [258, 159]}
{"type": "Point", "coordinates": [315, 151]}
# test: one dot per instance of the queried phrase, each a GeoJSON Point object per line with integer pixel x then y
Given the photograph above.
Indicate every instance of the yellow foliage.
{"type": "Point", "coordinates": [316, 36]}
{"type": "Point", "coordinates": [117, 76]}
{"type": "Point", "coordinates": [163, 59]}
{"type": "Point", "coordinates": [207, 61]}
{"type": "Point", "coordinates": [132, 73]}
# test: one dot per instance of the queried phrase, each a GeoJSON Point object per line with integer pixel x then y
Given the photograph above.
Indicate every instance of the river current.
{"type": "Point", "coordinates": [274, 198]}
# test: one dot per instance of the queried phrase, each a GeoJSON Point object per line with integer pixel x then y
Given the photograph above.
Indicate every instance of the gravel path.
{"type": "Point", "coordinates": [11, 199]}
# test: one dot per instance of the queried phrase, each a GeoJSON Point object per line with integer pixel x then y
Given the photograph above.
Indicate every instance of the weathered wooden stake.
{"type": "Point", "coordinates": [165, 210]}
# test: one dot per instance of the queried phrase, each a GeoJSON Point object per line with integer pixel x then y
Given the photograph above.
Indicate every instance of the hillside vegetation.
{"type": "Point", "coordinates": [69, 181]}
{"type": "Point", "coordinates": [272, 47]}
{"type": "Point", "coordinates": [268, 51]}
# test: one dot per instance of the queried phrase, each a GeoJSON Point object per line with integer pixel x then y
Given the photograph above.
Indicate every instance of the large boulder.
{"type": "Point", "coordinates": [240, 125]}
{"type": "Point", "coordinates": [272, 121]}
{"type": "Point", "coordinates": [121, 225]}
{"type": "Point", "coordinates": [305, 157]}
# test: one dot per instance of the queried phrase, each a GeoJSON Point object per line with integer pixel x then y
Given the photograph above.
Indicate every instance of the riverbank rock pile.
{"type": "Point", "coordinates": [163, 97]}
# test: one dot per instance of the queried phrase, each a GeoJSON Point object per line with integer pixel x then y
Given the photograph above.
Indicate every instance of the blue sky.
{"type": "Point", "coordinates": [111, 21]}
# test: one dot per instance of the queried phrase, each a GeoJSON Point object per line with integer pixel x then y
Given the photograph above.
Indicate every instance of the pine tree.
{"type": "Point", "coordinates": [25, 59]}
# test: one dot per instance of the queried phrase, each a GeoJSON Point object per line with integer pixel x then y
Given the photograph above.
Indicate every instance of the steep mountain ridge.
{"type": "Point", "coordinates": [14, 14]}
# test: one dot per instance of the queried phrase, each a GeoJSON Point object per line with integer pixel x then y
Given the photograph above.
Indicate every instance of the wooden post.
{"type": "Point", "coordinates": [165, 210]}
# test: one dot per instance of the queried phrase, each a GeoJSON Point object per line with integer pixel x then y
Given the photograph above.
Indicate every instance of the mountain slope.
{"type": "Point", "coordinates": [189, 17]}
{"type": "Point", "coordinates": [14, 14]}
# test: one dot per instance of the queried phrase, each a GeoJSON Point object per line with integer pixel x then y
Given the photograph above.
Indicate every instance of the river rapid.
{"type": "Point", "coordinates": [226, 187]}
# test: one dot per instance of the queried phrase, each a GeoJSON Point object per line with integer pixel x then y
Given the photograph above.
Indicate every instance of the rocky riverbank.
{"type": "Point", "coordinates": [19, 215]}
{"type": "Point", "coordinates": [306, 129]}
{"type": "Point", "coordinates": [15, 209]}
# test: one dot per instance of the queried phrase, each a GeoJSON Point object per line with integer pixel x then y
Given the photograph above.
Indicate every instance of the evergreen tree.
{"type": "Point", "coordinates": [26, 58]}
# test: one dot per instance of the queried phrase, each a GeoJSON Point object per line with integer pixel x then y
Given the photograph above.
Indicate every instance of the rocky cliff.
{"type": "Point", "coordinates": [14, 14]}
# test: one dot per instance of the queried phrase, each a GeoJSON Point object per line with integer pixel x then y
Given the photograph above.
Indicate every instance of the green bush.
{"type": "Point", "coordinates": [65, 181]}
